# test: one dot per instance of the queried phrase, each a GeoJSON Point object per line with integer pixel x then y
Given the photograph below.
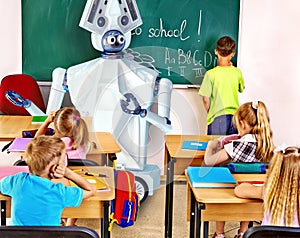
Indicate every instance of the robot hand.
{"type": "Point", "coordinates": [16, 99]}
{"type": "Point", "coordinates": [131, 102]}
{"type": "Point", "coordinates": [19, 101]}
{"type": "Point", "coordinates": [161, 122]}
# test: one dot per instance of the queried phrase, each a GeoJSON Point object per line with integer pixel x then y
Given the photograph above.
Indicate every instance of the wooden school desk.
{"type": "Point", "coordinates": [220, 204]}
{"type": "Point", "coordinates": [173, 150]}
{"type": "Point", "coordinates": [12, 127]}
{"type": "Point", "coordinates": [96, 206]}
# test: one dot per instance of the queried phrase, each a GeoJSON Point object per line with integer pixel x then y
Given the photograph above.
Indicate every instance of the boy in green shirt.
{"type": "Point", "coordinates": [219, 90]}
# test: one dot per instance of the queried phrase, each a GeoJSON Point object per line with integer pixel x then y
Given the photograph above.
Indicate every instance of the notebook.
{"type": "Point", "coordinates": [211, 177]}
{"type": "Point", "coordinates": [99, 183]}
{"type": "Point", "coordinates": [38, 119]}
{"type": "Point", "coordinates": [194, 145]}
{"type": "Point", "coordinates": [19, 145]}
{"type": "Point", "coordinates": [11, 170]}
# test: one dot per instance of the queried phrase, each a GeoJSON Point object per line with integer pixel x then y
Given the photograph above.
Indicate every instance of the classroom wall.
{"type": "Point", "coordinates": [269, 58]}
{"type": "Point", "coordinates": [10, 40]}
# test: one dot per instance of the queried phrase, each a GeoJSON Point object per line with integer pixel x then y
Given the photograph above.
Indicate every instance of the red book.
{"type": "Point", "coordinates": [256, 183]}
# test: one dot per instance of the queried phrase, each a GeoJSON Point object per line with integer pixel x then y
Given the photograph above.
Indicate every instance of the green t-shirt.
{"type": "Point", "coordinates": [221, 85]}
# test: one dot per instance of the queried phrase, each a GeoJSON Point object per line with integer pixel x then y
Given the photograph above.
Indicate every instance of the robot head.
{"type": "Point", "coordinates": [113, 41]}
{"type": "Point", "coordinates": [107, 18]}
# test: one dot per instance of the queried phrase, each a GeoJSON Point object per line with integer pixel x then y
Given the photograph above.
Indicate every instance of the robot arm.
{"type": "Point", "coordinates": [58, 89]}
{"type": "Point", "coordinates": [130, 105]}
{"type": "Point", "coordinates": [163, 90]}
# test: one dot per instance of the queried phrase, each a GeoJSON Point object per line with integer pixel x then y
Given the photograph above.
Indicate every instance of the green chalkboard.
{"type": "Point", "coordinates": [178, 37]}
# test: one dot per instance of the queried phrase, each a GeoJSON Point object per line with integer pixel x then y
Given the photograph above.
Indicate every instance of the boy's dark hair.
{"type": "Point", "coordinates": [225, 46]}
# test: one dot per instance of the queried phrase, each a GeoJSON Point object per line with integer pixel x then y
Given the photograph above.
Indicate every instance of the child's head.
{"type": "Point", "coordinates": [68, 123]}
{"type": "Point", "coordinates": [225, 46]}
{"type": "Point", "coordinates": [282, 188]}
{"type": "Point", "coordinates": [256, 116]}
{"type": "Point", "coordinates": [44, 151]}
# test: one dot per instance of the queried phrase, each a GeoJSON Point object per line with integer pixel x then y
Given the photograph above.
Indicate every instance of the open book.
{"type": "Point", "coordinates": [99, 183]}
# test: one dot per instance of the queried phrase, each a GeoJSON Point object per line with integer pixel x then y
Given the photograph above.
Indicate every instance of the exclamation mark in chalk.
{"type": "Point", "coordinates": [199, 24]}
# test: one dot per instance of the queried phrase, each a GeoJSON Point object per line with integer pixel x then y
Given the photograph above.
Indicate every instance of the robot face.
{"type": "Point", "coordinates": [113, 41]}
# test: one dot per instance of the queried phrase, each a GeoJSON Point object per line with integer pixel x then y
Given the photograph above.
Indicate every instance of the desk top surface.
{"type": "Point", "coordinates": [174, 145]}
{"type": "Point", "coordinates": [105, 195]}
{"type": "Point", "coordinates": [225, 195]}
{"type": "Point", "coordinates": [12, 127]}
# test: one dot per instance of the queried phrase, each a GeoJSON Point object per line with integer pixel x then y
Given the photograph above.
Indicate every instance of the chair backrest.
{"type": "Point", "coordinates": [20, 162]}
{"type": "Point", "coordinates": [47, 232]}
{"type": "Point", "coordinates": [272, 232]}
{"type": "Point", "coordinates": [27, 87]}
{"type": "Point", "coordinates": [82, 162]}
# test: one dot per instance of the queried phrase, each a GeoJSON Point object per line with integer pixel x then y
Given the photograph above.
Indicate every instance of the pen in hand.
{"type": "Point", "coordinates": [96, 175]}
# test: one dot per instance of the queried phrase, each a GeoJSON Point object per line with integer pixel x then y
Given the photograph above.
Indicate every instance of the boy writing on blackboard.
{"type": "Point", "coordinates": [219, 90]}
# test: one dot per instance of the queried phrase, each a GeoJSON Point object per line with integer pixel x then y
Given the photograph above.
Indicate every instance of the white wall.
{"type": "Point", "coordinates": [10, 40]}
{"type": "Point", "coordinates": [269, 49]}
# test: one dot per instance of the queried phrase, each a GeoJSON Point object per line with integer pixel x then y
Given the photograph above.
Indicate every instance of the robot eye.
{"type": "Point", "coordinates": [120, 39]}
{"type": "Point", "coordinates": [111, 40]}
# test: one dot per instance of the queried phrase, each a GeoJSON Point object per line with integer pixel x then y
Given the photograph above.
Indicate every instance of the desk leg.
{"type": "Point", "coordinates": [110, 160]}
{"type": "Point", "coordinates": [169, 197]}
{"type": "Point", "coordinates": [105, 221]}
{"type": "Point", "coordinates": [3, 213]}
{"type": "Point", "coordinates": [198, 219]}
{"type": "Point", "coordinates": [205, 229]}
{"type": "Point", "coordinates": [192, 213]}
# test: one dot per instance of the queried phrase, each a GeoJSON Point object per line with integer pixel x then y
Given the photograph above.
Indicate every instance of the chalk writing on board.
{"type": "Point", "coordinates": [187, 61]}
{"type": "Point", "coordinates": [168, 33]}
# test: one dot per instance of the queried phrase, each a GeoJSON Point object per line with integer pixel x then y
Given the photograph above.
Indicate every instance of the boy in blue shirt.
{"type": "Point", "coordinates": [36, 199]}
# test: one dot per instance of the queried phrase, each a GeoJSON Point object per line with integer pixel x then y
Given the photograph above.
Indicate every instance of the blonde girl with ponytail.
{"type": "Point", "coordinates": [255, 144]}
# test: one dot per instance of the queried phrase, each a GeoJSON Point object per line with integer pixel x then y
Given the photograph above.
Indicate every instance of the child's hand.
{"type": "Point", "coordinates": [59, 171]}
{"type": "Point", "coordinates": [50, 117]}
{"type": "Point", "coordinates": [214, 146]}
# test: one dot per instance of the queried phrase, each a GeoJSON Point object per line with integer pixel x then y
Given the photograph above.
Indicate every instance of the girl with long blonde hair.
{"type": "Point", "coordinates": [281, 191]}
{"type": "Point", "coordinates": [255, 144]}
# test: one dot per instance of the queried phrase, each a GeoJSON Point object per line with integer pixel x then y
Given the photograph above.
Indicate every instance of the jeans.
{"type": "Point", "coordinates": [222, 125]}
